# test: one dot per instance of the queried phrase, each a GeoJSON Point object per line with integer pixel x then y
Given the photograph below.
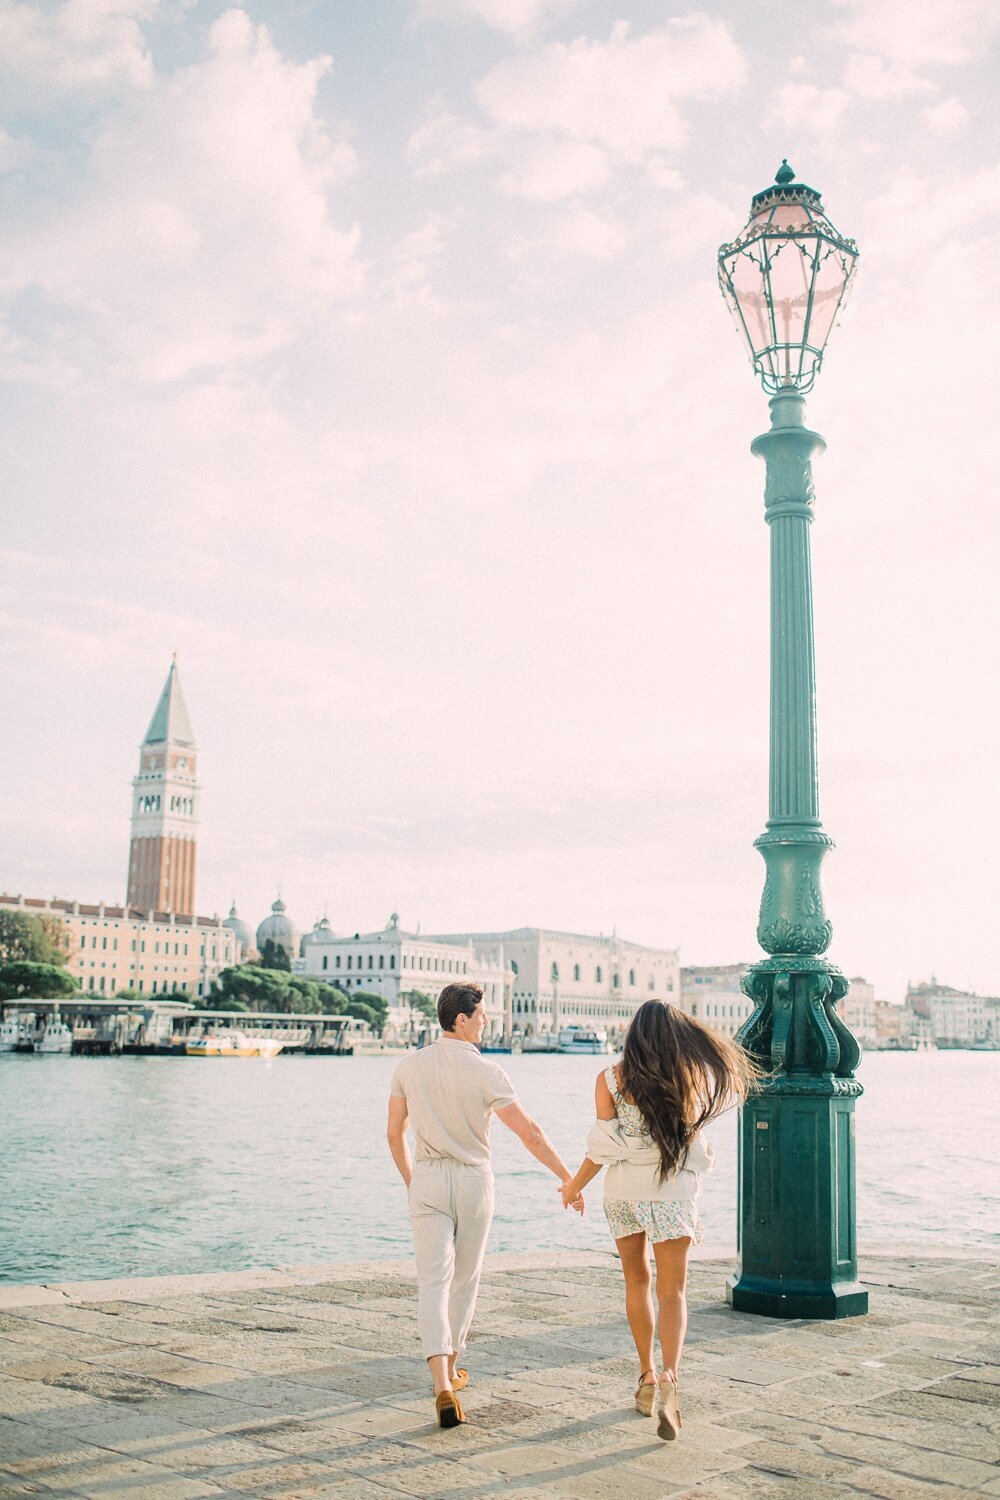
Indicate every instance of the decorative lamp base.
{"type": "Point", "coordinates": [847, 1300]}
{"type": "Point", "coordinates": [797, 1210]}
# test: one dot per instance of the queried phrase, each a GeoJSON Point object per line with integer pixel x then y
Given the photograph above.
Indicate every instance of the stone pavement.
{"type": "Point", "coordinates": [307, 1383]}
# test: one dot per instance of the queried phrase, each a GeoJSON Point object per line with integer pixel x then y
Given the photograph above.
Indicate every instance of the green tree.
{"type": "Point", "coordinates": [421, 1001]}
{"type": "Point", "coordinates": [359, 1011]}
{"type": "Point", "coordinates": [306, 996]}
{"type": "Point", "coordinates": [257, 988]}
{"type": "Point", "coordinates": [275, 956]}
{"type": "Point", "coordinates": [26, 938]}
{"type": "Point", "coordinates": [35, 981]}
{"type": "Point", "coordinates": [227, 1002]}
{"type": "Point", "coordinates": [375, 1002]}
{"type": "Point", "coordinates": [334, 1000]}
{"type": "Point", "coordinates": [129, 996]}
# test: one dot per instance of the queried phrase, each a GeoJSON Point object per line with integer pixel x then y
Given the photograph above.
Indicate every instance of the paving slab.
{"type": "Point", "coordinates": [307, 1381]}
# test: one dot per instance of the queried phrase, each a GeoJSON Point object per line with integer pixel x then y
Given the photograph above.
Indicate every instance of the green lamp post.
{"type": "Point", "coordinates": [785, 278]}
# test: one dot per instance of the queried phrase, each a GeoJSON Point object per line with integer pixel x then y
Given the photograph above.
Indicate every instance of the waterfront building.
{"type": "Point", "coordinates": [244, 942]}
{"type": "Point", "coordinates": [857, 1011]}
{"type": "Point", "coordinates": [993, 1020]}
{"type": "Point", "coordinates": [565, 978]}
{"type": "Point", "coordinates": [392, 962]}
{"type": "Point", "coordinates": [280, 931]}
{"type": "Point", "coordinates": [162, 851]}
{"type": "Point", "coordinates": [115, 948]}
{"type": "Point", "coordinates": [712, 994]}
{"type": "Point", "coordinates": [889, 1024]}
{"type": "Point", "coordinates": [955, 1018]}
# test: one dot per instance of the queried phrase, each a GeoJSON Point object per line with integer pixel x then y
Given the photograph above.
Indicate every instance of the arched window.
{"type": "Point", "coordinates": [617, 981]}
{"type": "Point", "coordinates": [631, 976]}
{"type": "Point", "coordinates": [326, 962]}
{"type": "Point", "coordinates": [555, 973]}
{"type": "Point", "coordinates": [598, 975]}
{"type": "Point", "coordinates": [514, 969]}
{"type": "Point", "coordinates": [576, 972]}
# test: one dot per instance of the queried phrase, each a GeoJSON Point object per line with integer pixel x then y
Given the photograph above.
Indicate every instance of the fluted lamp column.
{"type": "Point", "coordinates": [785, 278]}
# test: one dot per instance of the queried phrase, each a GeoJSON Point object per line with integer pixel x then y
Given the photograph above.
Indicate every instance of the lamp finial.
{"type": "Point", "coordinates": [784, 173]}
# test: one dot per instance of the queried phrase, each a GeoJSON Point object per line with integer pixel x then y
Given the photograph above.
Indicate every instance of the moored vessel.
{"type": "Point", "coordinates": [231, 1044]}
{"type": "Point", "coordinates": [585, 1039]}
{"type": "Point", "coordinates": [56, 1038]}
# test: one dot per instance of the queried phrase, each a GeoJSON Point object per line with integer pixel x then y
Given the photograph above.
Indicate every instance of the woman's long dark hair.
{"type": "Point", "coordinates": [681, 1074]}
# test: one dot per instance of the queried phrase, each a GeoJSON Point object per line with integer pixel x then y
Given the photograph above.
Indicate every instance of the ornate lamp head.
{"type": "Point", "coordinates": [785, 278]}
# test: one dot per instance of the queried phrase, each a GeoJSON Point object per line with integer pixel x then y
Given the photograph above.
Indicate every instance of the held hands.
{"type": "Point", "coordinates": [571, 1197]}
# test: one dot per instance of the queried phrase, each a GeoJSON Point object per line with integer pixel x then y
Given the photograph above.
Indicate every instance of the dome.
{"type": "Point", "coordinates": [236, 924]}
{"type": "Point", "coordinates": [279, 930]}
{"type": "Point", "coordinates": [321, 933]}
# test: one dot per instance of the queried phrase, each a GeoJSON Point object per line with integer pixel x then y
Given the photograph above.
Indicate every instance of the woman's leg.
{"type": "Point", "coordinates": [639, 1299]}
{"type": "Point", "coordinates": [671, 1282]}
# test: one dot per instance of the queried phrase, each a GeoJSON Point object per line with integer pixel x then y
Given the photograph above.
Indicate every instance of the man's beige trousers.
{"type": "Point", "coordinates": [451, 1205]}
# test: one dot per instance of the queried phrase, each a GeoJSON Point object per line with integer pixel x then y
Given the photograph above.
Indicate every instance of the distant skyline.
{"type": "Point", "coordinates": [372, 360]}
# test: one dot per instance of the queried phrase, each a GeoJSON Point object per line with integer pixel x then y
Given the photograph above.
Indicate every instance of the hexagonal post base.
{"type": "Point", "coordinates": [797, 1210]}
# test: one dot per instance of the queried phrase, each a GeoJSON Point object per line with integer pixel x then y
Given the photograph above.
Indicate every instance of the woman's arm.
{"type": "Point", "coordinates": [605, 1107]}
{"type": "Point", "coordinates": [603, 1101]}
{"type": "Point", "coordinates": [573, 1190]}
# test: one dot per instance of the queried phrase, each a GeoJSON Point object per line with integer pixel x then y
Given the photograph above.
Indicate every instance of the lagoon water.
{"type": "Point", "coordinates": [149, 1166]}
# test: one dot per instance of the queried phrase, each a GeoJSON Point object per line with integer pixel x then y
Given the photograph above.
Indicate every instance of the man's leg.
{"type": "Point", "coordinates": [473, 1215]}
{"type": "Point", "coordinates": [434, 1251]}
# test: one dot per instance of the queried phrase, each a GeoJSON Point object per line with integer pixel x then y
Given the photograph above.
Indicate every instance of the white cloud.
{"type": "Point", "coordinates": [807, 109]}
{"type": "Point", "coordinates": [576, 233]}
{"type": "Point", "coordinates": [946, 118]}
{"type": "Point", "coordinates": [520, 19]}
{"type": "Point", "coordinates": [445, 140]}
{"type": "Point", "coordinates": [199, 234]}
{"type": "Point", "coordinates": [77, 46]}
{"type": "Point", "coordinates": [919, 33]}
{"type": "Point", "coordinates": [623, 94]}
{"type": "Point", "coordinates": [663, 175]}
{"type": "Point", "coordinates": [548, 170]}
{"type": "Point", "coordinates": [415, 258]}
{"type": "Point", "coordinates": [871, 77]}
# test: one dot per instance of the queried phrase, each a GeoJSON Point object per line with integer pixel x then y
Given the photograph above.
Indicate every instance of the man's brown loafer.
{"type": "Point", "coordinates": [460, 1379]}
{"type": "Point", "coordinates": [449, 1409]}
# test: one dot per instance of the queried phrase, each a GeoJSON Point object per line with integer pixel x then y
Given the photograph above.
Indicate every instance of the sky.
{"type": "Point", "coordinates": [371, 358]}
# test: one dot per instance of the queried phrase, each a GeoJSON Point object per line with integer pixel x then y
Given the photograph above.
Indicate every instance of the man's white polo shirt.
{"type": "Point", "coordinates": [451, 1093]}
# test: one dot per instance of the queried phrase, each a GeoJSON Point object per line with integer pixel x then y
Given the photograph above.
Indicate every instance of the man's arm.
{"type": "Point", "coordinates": [533, 1139]}
{"type": "Point", "coordinates": [395, 1134]}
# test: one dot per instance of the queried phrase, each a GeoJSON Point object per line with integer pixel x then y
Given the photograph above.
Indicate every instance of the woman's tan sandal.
{"type": "Point", "coordinates": [645, 1395]}
{"type": "Point", "coordinates": [668, 1416]}
{"type": "Point", "coordinates": [449, 1409]}
{"type": "Point", "coordinates": [460, 1380]}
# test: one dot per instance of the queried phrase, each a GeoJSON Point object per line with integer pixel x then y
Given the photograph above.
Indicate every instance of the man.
{"type": "Point", "coordinates": [448, 1093]}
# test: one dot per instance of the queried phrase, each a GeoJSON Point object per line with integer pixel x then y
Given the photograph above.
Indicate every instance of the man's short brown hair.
{"type": "Point", "coordinates": [457, 1000]}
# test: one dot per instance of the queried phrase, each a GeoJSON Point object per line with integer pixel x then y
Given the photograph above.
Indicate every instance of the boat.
{"type": "Point", "coordinates": [512, 1047]}
{"type": "Point", "coordinates": [231, 1044]}
{"type": "Point", "coordinates": [56, 1038]}
{"type": "Point", "coordinates": [587, 1040]}
{"type": "Point", "coordinates": [10, 1034]}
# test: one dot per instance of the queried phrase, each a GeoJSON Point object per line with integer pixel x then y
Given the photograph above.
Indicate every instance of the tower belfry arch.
{"type": "Point", "coordinates": [161, 865]}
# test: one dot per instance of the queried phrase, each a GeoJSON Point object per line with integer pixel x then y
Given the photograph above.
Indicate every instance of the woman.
{"type": "Point", "coordinates": [674, 1077]}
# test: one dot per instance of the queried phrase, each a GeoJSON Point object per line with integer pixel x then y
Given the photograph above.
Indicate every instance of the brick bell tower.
{"type": "Point", "coordinates": [161, 860]}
